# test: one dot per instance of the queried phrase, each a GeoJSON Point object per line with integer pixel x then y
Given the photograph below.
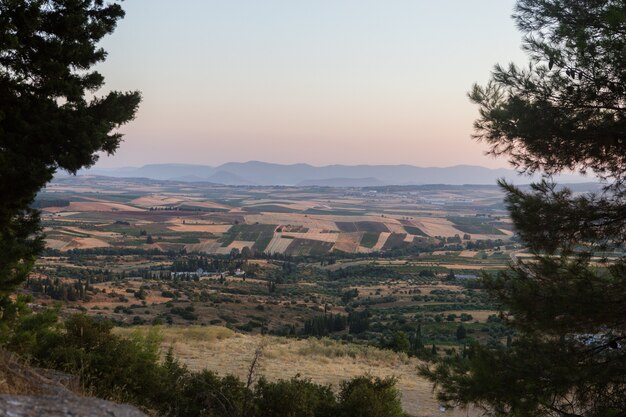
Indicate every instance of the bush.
{"type": "Point", "coordinates": [294, 397]}
{"type": "Point", "coordinates": [366, 396]}
{"type": "Point", "coordinates": [206, 394]}
{"type": "Point", "coordinates": [125, 370]}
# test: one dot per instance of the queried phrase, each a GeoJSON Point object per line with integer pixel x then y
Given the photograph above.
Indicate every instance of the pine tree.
{"type": "Point", "coordinates": [48, 118]}
{"type": "Point", "coordinates": [565, 111]}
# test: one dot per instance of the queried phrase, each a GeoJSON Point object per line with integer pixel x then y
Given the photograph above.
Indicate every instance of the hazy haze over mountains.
{"type": "Point", "coordinates": [263, 173]}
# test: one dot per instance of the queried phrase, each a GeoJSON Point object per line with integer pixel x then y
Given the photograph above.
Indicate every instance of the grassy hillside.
{"type": "Point", "coordinates": [323, 360]}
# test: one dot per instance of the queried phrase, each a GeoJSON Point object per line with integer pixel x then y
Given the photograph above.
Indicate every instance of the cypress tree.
{"type": "Point", "coordinates": [51, 116]}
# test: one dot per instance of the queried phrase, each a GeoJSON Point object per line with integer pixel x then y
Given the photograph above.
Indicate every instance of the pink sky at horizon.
{"type": "Point", "coordinates": [350, 82]}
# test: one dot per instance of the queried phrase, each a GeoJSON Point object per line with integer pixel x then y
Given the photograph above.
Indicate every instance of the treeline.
{"type": "Point", "coordinates": [58, 290]}
{"type": "Point", "coordinates": [108, 251]}
{"type": "Point", "coordinates": [324, 325]}
{"type": "Point", "coordinates": [93, 275]}
{"type": "Point", "coordinates": [207, 264]}
{"type": "Point", "coordinates": [131, 371]}
{"type": "Point", "coordinates": [360, 271]}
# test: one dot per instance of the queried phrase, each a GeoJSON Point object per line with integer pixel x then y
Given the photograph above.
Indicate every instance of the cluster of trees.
{"type": "Point", "coordinates": [207, 264]}
{"type": "Point", "coordinates": [324, 325]}
{"type": "Point", "coordinates": [359, 321]}
{"type": "Point", "coordinates": [93, 275]}
{"type": "Point", "coordinates": [58, 290]}
{"type": "Point", "coordinates": [361, 271]}
{"type": "Point", "coordinates": [109, 251]}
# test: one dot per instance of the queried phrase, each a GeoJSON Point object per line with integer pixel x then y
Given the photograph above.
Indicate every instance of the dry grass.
{"type": "Point", "coordinates": [435, 226]}
{"type": "Point", "coordinates": [394, 226]}
{"type": "Point", "coordinates": [86, 243]}
{"type": "Point", "coordinates": [206, 246]}
{"type": "Point", "coordinates": [55, 244]}
{"type": "Point", "coordinates": [324, 361]}
{"type": "Point", "coordinates": [179, 334]}
{"type": "Point", "coordinates": [76, 243]}
{"type": "Point", "coordinates": [17, 378]}
{"type": "Point", "coordinates": [240, 244]}
{"type": "Point", "coordinates": [315, 234]}
{"type": "Point", "coordinates": [348, 242]}
{"type": "Point", "coordinates": [98, 206]}
{"type": "Point", "coordinates": [92, 232]}
{"type": "Point", "coordinates": [278, 244]}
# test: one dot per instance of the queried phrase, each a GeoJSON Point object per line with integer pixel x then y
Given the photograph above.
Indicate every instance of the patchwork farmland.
{"type": "Point", "coordinates": [98, 212]}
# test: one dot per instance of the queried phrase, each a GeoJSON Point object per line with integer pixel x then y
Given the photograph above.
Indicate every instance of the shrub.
{"type": "Point", "coordinates": [121, 369]}
{"type": "Point", "coordinates": [366, 396]}
{"type": "Point", "coordinates": [206, 394]}
{"type": "Point", "coordinates": [294, 397]}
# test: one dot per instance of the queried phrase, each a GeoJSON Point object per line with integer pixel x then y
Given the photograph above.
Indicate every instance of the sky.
{"type": "Point", "coordinates": [314, 81]}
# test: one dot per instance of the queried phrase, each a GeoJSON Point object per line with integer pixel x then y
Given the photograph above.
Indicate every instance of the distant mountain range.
{"type": "Point", "coordinates": [263, 173]}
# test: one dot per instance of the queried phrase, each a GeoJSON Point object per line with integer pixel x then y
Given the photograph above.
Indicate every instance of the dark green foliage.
{"type": "Point", "coordinates": [400, 342]}
{"type": "Point", "coordinates": [414, 230]}
{"type": "Point", "coordinates": [353, 272]}
{"type": "Point", "coordinates": [323, 325]}
{"type": "Point", "coordinates": [362, 226]}
{"type": "Point", "coordinates": [369, 240]}
{"type": "Point", "coordinates": [186, 313]}
{"type": "Point", "coordinates": [370, 397]}
{"type": "Point", "coordinates": [294, 398]}
{"type": "Point", "coordinates": [461, 333]}
{"type": "Point", "coordinates": [308, 247]}
{"type": "Point", "coordinates": [207, 394]}
{"type": "Point", "coordinates": [372, 227]}
{"type": "Point", "coordinates": [359, 321]}
{"type": "Point", "coordinates": [60, 290]}
{"type": "Point", "coordinates": [25, 332]}
{"type": "Point", "coordinates": [475, 225]}
{"type": "Point", "coordinates": [346, 226]}
{"type": "Point", "coordinates": [207, 264]}
{"type": "Point", "coordinates": [565, 111]}
{"type": "Point", "coordinates": [47, 121]}
{"type": "Point", "coordinates": [261, 244]}
{"type": "Point", "coordinates": [123, 369]}
{"type": "Point", "coordinates": [349, 295]}
{"type": "Point", "coordinates": [249, 233]}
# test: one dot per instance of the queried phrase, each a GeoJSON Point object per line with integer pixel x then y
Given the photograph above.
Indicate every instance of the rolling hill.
{"type": "Point", "coordinates": [263, 173]}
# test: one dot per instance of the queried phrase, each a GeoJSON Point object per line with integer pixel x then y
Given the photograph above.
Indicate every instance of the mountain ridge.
{"type": "Point", "coordinates": [337, 175]}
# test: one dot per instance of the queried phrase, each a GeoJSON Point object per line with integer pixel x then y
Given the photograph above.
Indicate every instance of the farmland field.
{"type": "Point", "coordinates": [180, 216]}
